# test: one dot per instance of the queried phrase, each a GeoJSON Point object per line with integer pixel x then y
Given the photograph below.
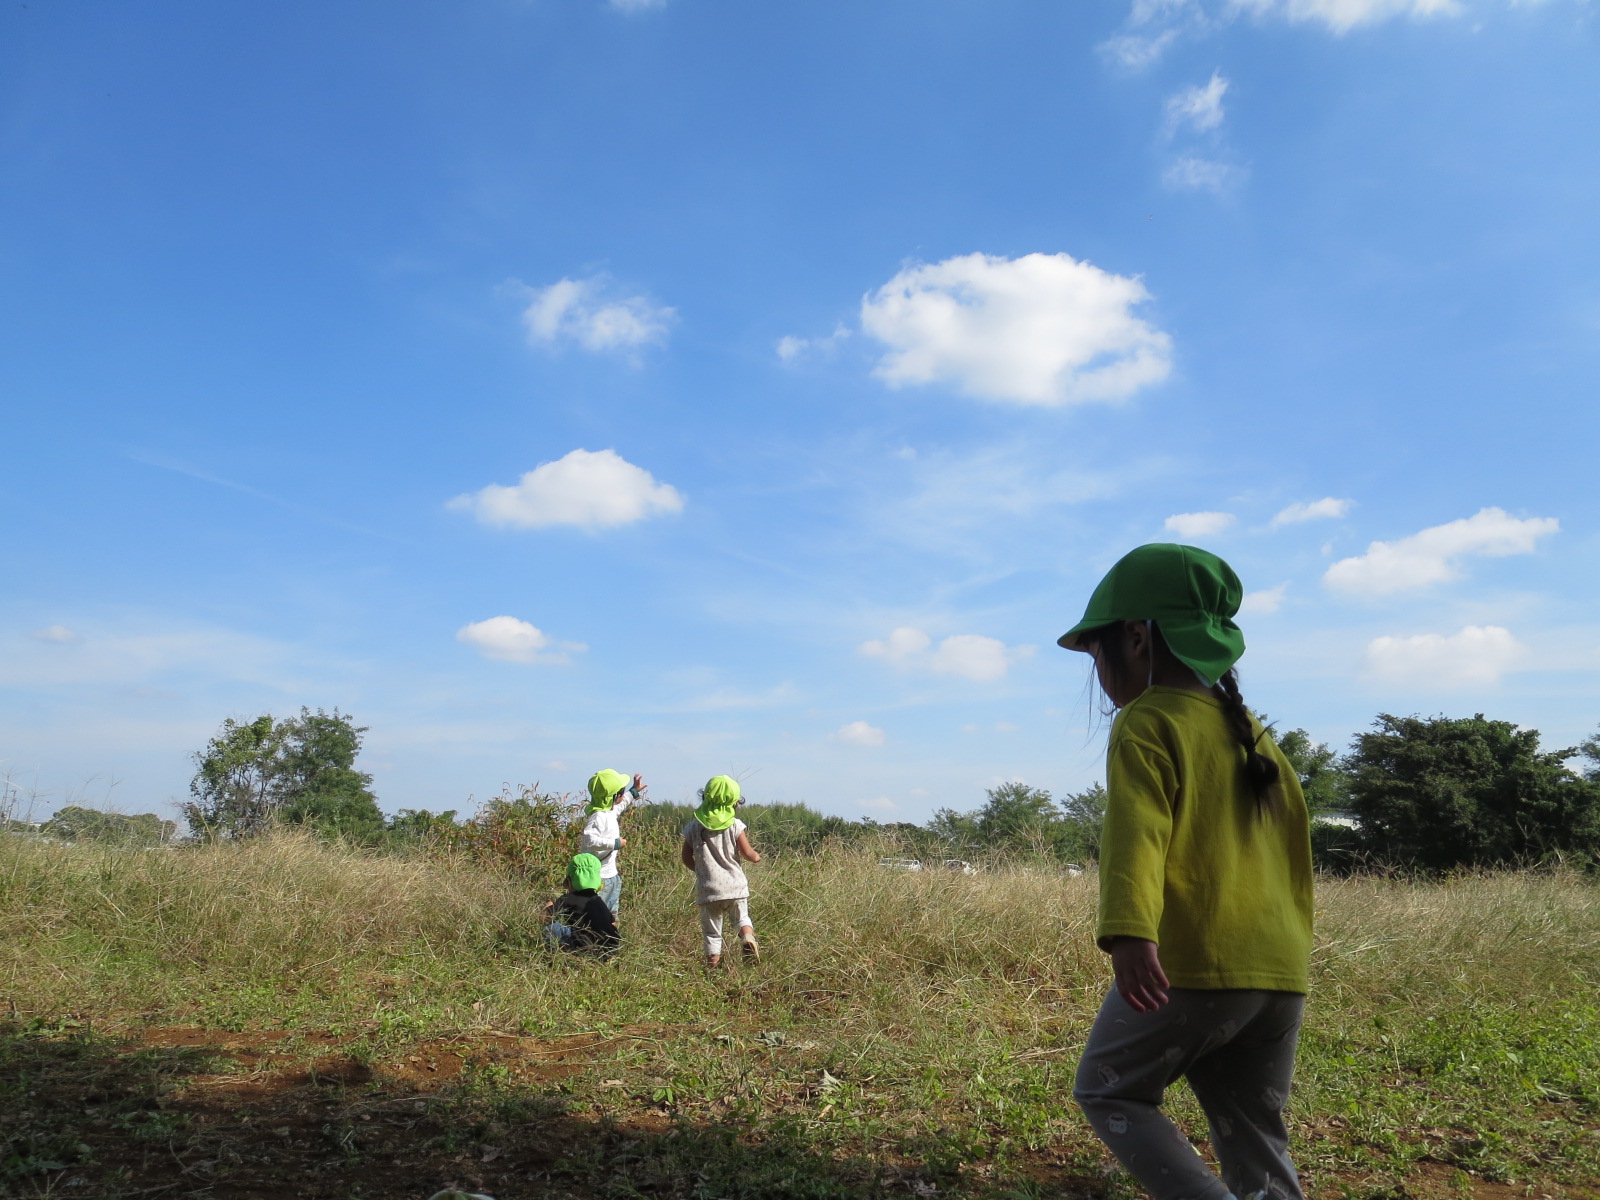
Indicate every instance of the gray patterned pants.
{"type": "Point", "coordinates": [1236, 1048]}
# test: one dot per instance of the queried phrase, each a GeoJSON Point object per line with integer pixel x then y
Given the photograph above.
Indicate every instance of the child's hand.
{"type": "Point", "coordinates": [622, 841]}
{"type": "Point", "coordinates": [638, 781]}
{"type": "Point", "coordinates": [549, 905]}
{"type": "Point", "coordinates": [1140, 979]}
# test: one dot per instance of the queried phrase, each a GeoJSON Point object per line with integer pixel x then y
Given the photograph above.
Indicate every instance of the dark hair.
{"type": "Point", "coordinates": [1260, 772]}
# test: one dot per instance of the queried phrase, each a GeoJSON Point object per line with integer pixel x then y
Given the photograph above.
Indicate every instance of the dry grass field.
{"type": "Point", "coordinates": [284, 1018]}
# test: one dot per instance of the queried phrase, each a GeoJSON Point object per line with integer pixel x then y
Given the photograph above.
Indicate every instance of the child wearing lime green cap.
{"type": "Point", "coordinates": [580, 919]}
{"type": "Point", "coordinates": [1205, 887]}
{"type": "Point", "coordinates": [610, 795]}
{"type": "Point", "coordinates": [713, 843]}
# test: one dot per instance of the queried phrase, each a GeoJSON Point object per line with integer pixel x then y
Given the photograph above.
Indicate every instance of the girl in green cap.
{"type": "Point", "coordinates": [1205, 887]}
{"type": "Point", "coordinates": [580, 919]}
{"type": "Point", "coordinates": [713, 844]}
{"type": "Point", "coordinates": [610, 795]}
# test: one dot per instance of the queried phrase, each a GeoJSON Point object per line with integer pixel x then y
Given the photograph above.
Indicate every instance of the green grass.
{"type": "Point", "coordinates": [894, 1040]}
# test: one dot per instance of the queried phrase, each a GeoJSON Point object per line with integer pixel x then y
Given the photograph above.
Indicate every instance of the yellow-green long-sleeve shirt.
{"type": "Point", "coordinates": [1187, 858]}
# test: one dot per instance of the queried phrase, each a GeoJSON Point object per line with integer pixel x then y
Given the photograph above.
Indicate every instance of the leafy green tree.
{"type": "Point", "coordinates": [297, 771]}
{"type": "Point", "coordinates": [77, 824]}
{"type": "Point", "coordinates": [1017, 816]}
{"type": "Point", "coordinates": [1082, 816]}
{"type": "Point", "coordinates": [1326, 787]}
{"type": "Point", "coordinates": [316, 780]}
{"type": "Point", "coordinates": [1019, 819]}
{"type": "Point", "coordinates": [1444, 792]}
{"type": "Point", "coordinates": [232, 793]}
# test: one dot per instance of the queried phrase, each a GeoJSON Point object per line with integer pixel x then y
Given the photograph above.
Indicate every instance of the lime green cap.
{"type": "Point", "coordinates": [604, 787]}
{"type": "Point", "coordinates": [584, 873]}
{"type": "Point", "coordinates": [717, 799]}
{"type": "Point", "coordinates": [1191, 594]}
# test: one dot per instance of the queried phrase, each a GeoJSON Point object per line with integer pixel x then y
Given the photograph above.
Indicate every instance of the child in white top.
{"type": "Point", "coordinates": [610, 795]}
{"type": "Point", "coordinates": [713, 844]}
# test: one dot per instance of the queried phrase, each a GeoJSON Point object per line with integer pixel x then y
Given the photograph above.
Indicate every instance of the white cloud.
{"type": "Point", "coordinates": [1263, 603]}
{"type": "Point", "coordinates": [1314, 510]}
{"type": "Point", "coordinates": [881, 802]}
{"type": "Point", "coordinates": [1041, 329]}
{"type": "Point", "coordinates": [1341, 16]}
{"type": "Point", "coordinates": [1432, 555]}
{"type": "Point", "coordinates": [968, 655]}
{"type": "Point", "coordinates": [511, 640]}
{"type": "Point", "coordinates": [792, 349]}
{"type": "Point", "coordinates": [1476, 657]}
{"type": "Point", "coordinates": [858, 733]}
{"type": "Point", "coordinates": [631, 6]}
{"type": "Point", "coordinates": [1135, 52]}
{"type": "Point", "coordinates": [592, 489]}
{"type": "Point", "coordinates": [1191, 173]}
{"type": "Point", "coordinates": [58, 634]}
{"type": "Point", "coordinates": [1198, 524]}
{"type": "Point", "coordinates": [557, 765]}
{"type": "Point", "coordinates": [902, 644]}
{"type": "Point", "coordinates": [1199, 108]}
{"type": "Point", "coordinates": [589, 313]}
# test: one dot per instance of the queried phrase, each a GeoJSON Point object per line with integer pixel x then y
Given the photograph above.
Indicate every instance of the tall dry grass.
{"type": "Point", "coordinates": [287, 928]}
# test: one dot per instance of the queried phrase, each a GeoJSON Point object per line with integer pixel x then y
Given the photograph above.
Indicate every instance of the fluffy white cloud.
{"type": "Point", "coordinates": [1314, 510]}
{"type": "Point", "coordinates": [1432, 556]}
{"type": "Point", "coordinates": [511, 640]}
{"type": "Point", "coordinates": [1476, 657]}
{"type": "Point", "coordinates": [881, 802]}
{"type": "Point", "coordinates": [592, 489]}
{"type": "Point", "coordinates": [858, 733]}
{"type": "Point", "coordinates": [1040, 329]}
{"type": "Point", "coordinates": [1135, 52]}
{"type": "Point", "coordinates": [968, 655]}
{"type": "Point", "coordinates": [1191, 173]}
{"type": "Point", "coordinates": [1341, 16]}
{"type": "Point", "coordinates": [792, 349]}
{"type": "Point", "coordinates": [1199, 108]}
{"type": "Point", "coordinates": [1197, 524]}
{"type": "Point", "coordinates": [587, 312]}
{"type": "Point", "coordinates": [1153, 25]}
{"type": "Point", "coordinates": [58, 634]}
{"type": "Point", "coordinates": [1265, 602]}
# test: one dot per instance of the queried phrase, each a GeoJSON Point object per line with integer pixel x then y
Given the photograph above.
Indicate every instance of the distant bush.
{"type": "Point", "coordinates": [522, 833]}
{"type": "Point", "coordinates": [76, 824]}
{"type": "Point", "coordinates": [1440, 793]}
{"type": "Point", "coordinates": [297, 771]}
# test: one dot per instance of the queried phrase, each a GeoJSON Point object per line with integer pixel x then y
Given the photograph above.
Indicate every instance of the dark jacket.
{"type": "Point", "coordinates": [593, 926]}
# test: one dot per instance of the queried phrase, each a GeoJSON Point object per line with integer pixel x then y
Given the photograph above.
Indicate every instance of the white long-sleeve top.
{"type": "Point", "coordinates": [602, 834]}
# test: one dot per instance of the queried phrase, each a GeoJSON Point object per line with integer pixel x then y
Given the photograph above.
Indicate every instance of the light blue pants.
{"type": "Point", "coordinates": [611, 892]}
{"type": "Point", "coordinates": [1236, 1049]}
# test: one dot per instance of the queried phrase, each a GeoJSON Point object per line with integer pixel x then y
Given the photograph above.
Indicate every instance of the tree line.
{"type": "Point", "coordinates": [1420, 793]}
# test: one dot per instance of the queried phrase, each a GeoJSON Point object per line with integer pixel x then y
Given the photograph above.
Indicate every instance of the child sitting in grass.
{"type": "Point", "coordinates": [580, 919]}
{"type": "Point", "coordinates": [713, 844]}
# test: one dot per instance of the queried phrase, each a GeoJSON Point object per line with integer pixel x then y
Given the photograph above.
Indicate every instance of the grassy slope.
{"type": "Point", "coordinates": [905, 1031]}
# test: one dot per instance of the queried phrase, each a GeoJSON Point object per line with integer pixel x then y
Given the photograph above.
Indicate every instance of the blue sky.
{"type": "Point", "coordinates": [692, 387]}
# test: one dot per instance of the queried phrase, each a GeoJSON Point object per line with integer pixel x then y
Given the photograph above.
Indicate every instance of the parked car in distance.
{"type": "Point", "coordinates": [900, 864]}
{"type": "Point", "coordinates": [960, 865]}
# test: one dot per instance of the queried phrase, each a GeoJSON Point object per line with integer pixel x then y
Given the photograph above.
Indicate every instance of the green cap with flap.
{"type": "Point", "coordinates": [1191, 594]}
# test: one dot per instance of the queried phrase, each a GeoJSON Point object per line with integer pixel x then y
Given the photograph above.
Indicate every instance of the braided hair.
{"type": "Point", "coordinates": [1260, 772]}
